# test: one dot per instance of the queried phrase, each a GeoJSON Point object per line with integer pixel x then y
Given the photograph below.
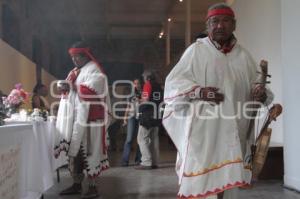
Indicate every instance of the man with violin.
{"type": "Point", "coordinates": [208, 95]}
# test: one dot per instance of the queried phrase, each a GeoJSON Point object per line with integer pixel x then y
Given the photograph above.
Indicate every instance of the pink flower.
{"type": "Point", "coordinates": [18, 86]}
{"type": "Point", "coordinates": [16, 97]}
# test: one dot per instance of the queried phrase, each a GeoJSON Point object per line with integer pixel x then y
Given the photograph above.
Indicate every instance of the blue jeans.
{"type": "Point", "coordinates": [132, 130]}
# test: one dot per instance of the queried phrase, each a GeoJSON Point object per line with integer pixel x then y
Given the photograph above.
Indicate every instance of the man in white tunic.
{"type": "Point", "coordinates": [205, 96]}
{"type": "Point", "coordinates": [82, 120]}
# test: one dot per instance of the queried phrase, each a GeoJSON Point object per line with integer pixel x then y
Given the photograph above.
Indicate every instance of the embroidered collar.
{"type": "Point", "coordinates": [227, 47]}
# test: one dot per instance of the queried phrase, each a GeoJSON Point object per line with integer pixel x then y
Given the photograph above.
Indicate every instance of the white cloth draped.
{"type": "Point", "coordinates": [73, 117]}
{"type": "Point", "coordinates": [37, 164]}
{"type": "Point", "coordinates": [211, 148]}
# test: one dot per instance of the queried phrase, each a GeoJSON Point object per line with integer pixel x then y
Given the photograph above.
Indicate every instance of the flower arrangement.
{"type": "Point", "coordinates": [16, 98]}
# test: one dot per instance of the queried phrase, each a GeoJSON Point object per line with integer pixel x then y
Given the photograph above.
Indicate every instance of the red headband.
{"type": "Point", "coordinates": [220, 11]}
{"type": "Point", "coordinates": [73, 51]}
{"type": "Point", "coordinates": [87, 52]}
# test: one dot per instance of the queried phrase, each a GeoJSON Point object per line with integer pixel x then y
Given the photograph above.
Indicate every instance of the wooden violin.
{"type": "Point", "coordinates": [262, 141]}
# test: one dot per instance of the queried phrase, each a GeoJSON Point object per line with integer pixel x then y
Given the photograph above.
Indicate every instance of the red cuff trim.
{"type": "Point", "coordinates": [73, 74]}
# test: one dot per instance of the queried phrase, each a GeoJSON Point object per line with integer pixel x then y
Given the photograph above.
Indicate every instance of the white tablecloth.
{"type": "Point", "coordinates": [36, 141]}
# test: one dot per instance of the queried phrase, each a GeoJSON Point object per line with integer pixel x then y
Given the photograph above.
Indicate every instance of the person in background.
{"type": "Point", "coordinates": [40, 91]}
{"type": "Point", "coordinates": [131, 120]}
{"type": "Point", "coordinates": [149, 122]}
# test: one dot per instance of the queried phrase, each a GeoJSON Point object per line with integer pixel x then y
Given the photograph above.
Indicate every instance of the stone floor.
{"type": "Point", "coordinates": [127, 183]}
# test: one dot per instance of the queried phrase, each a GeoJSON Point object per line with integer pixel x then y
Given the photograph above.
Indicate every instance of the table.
{"type": "Point", "coordinates": [31, 146]}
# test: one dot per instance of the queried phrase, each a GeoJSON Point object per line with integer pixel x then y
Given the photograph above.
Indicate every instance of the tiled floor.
{"type": "Point", "coordinates": [128, 183]}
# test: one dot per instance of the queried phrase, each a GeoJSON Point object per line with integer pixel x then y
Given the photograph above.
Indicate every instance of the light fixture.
{"type": "Point", "coordinates": [169, 19]}
{"type": "Point", "coordinates": [161, 34]}
{"type": "Point", "coordinates": [180, 0]}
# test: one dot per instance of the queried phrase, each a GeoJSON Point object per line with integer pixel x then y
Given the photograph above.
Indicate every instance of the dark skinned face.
{"type": "Point", "coordinates": [137, 84]}
{"type": "Point", "coordinates": [220, 28]}
{"type": "Point", "coordinates": [79, 60]}
{"type": "Point", "coordinates": [43, 91]}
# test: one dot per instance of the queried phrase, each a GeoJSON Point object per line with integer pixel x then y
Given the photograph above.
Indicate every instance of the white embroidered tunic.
{"type": "Point", "coordinates": [74, 115]}
{"type": "Point", "coordinates": [212, 142]}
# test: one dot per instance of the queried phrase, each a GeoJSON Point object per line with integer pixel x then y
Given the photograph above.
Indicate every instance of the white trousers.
{"type": "Point", "coordinates": [148, 141]}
